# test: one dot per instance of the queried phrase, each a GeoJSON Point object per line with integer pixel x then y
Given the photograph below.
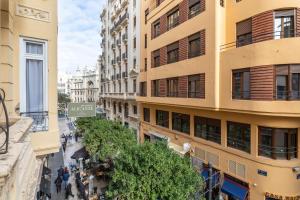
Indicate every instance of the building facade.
{"type": "Point", "coordinates": [28, 77]}
{"type": "Point", "coordinates": [119, 61]}
{"type": "Point", "coordinates": [223, 78]}
{"type": "Point", "coordinates": [84, 85]}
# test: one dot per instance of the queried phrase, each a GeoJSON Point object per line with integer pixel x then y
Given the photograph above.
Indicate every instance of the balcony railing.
{"type": "Point", "coordinates": [278, 152]}
{"type": "Point", "coordinates": [118, 59]}
{"type": "Point", "coordinates": [124, 56]}
{"type": "Point", "coordinates": [4, 128]}
{"type": "Point", "coordinates": [124, 37]}
{"type": "Point", "coordinates": [174, 24]}
{"type": "Point", "coordinates": [124, 74]}
{"type": "Point", "coordinates": [113, 46]}
{"type": "Point", "coordinates": [118, 42]}
{"type": "Point", "coordinates": [250, 39]}
{"type": "Point", "coordinates": [40, 120]}
{"type": "Point", "coordinates": [113, 62]}
{"type": "Point", "coordinates": [287, 95]}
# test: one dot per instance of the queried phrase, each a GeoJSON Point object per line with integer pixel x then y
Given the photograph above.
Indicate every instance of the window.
{"type": "Point", "coordinates": [241, 84]}
{"type": "Point", "coordinates": [158, 2]}
{"type": "Point", "coordinates": [134, 85]}
{"type": "Point", "coordinates": [126, 86]}
{"type": "Point", "coordinates": [288, 82]}
{"type": "Point", "coordinates": [244, 33]}
{"type": "Point", "coordinates": [134, 109]}
{"type": "Point", "coordinates": [194, 45]}
{"type": "Point", "coordinates": [143, 89]}
{"type": "Point", "coordinates": [194, 8]}
{"type": "Point", "coordinates": [120, 107]}
{"type": "Point", "coordinates": [134, 42]}
{"type": "Point", "coordinates": [146, 114]}
{"type": "Point", "coordinates": [145, 40]}
{"type": "Point", "coordinates": [34, 80]}
{"type": "Point", "coordinates": [194, 90]}
{"type": "Point", "coordinates": [284, 24]}
{"type": "Point", "coordinates": [146, 15]}
{"type": "Point", "coordinates": [172, 90]}
{"type": "Point", "coordinates": [156, 58]}
{"type": "Point", "coordinates": [173, 19]}
{"type": "Point", "coordinates": [173, 52]}
{"type": "Point", "coordinates": [156, 28]}
{"type": "Point", "coordinates": [238, 136]}
{"type": "Point", "coordinates": [181, 122]}
{"type": "Point", "coordinates": [155, 88]}
{"type": "Point", "coordinates": [145, 64]}
{"type": "Point", "coordinates": [162, 118]}
{"type": "Point", "coordinates": [208, 129]}
{"type": "Point", "coordinates": [277, 143]}
{"type": "Point", "coordinates": [126, 110]}
{"type": "Point", "coordinates": [115, 108]}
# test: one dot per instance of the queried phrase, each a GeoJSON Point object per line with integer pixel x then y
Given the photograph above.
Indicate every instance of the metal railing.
{"type": "Point", "coordinates": [124, 37]}
{"type": "Point", "coordinates": [287, 95]}
{"type": "Point", "coordinates": [4, 128]}
{"type": "Point", "coordinates": [124, 56]}
{"type": "Point", "coordinates": [40, 120]}
{"type": "Point", "coordinates": [238, 144]}
{"type": "Point", "coordinates": [278, 152]}
{"type": "Point", "coordinates": [124, 74]}
{"type": "Point", "coordinates": [195, 94]}
{"type": "Point", "coordinates": [250, 39]}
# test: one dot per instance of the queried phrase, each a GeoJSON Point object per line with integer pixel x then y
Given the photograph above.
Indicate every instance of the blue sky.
{"type": "Point", "coordinates": [78, 38]}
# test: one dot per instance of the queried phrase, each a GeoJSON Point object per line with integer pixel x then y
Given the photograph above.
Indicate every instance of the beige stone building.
{"type": "Point", "coordinates": [28, 76]}
{"type": "Point", "coordinates": [222, 79]}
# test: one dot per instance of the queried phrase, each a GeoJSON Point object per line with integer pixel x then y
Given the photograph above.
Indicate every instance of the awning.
{"type": "Point", "coordinates": [81, 153]}
{"type": "Point", "coordinates": [234, 189]}
{"type": "Point", "coordinates": [179, 149]}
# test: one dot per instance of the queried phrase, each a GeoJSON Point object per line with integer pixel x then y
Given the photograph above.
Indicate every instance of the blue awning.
{"type": "Point", "coordinates": [234, 189]}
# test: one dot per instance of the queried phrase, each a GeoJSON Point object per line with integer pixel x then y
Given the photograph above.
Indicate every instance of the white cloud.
{"type": "Point", "coordinates": [78, 37]}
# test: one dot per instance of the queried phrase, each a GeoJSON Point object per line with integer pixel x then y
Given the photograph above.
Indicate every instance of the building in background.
{"type": "Point", "coordinates": [119, 61]}
{"type": "Point", "coordinates": [224, 78]}
{"type": "Point", "coordinates": [63, 83]}
{"type": "Point", "coordinates": [84, 85]}
{"type": "Point", "coordinates": [28, 77]}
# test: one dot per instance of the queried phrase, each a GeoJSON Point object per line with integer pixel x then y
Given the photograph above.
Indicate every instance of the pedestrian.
{"type": "Point", "coordinates": [69, 191]}
{"type": "Point", "coordinates": [76, 136]}
{"type": "Point", "coordinates": [64, 146]}
{"type": "Point", "coordinates": [60, 172]}
{"type": "Point", "coordinates": [66, 177]}
{"type": "Point", "coordinates": [58, 182]}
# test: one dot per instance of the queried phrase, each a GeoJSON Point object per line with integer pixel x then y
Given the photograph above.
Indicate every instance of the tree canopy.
{"type": "Point", "coordinates": [141, 171]}
{"type": "Point", "coordinates": [63, 98]}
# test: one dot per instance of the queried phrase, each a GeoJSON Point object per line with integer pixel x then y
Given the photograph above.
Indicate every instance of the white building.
{"type": "Point", "coordinates": [63, 84]}
{"type": "Point", "coordinates": [119, 68]}
{"type": "Point", "coordinates": [84, 85]}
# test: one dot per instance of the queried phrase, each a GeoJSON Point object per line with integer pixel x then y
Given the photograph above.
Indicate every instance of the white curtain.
{"type": "Point", "coordinates": [34, 85]}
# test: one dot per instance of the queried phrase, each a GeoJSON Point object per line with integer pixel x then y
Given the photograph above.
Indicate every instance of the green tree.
{"type": "Point", "coordinates": [152, 171]}
{"type": "Point", "coordinates": [63, 98]}
{"type": "Point", "coordinates": [141, 171]}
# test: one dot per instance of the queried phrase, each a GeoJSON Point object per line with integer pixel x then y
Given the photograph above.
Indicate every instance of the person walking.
{"type": "Point", "coordinates": [69, 191]}
{"type": "Point", "coordinates": [60, 172]}
{"type": "Point", "coordinates": [58, 182]}
{"type": "Point", "coordinates": [66, 177]}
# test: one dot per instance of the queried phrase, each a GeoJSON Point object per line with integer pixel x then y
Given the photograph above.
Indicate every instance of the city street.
{"type": "Point", "coordinates": [63, 159]}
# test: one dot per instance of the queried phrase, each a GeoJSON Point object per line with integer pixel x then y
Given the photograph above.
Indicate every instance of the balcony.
{"type": "Point", "coordinates": [113, 77]}
{"type": "Point", "coordinates": [119, 60]}
{"type": "Point", "coordinates": [124, 3]}
{"type": "Point", "coordinates": [119, 76]}
{"type": "Point", "coordinates": [113, 46]}
{"type": "Point", "coordinates": [248, 39]}
{"type": "Point", "coordinates": [40, 120]}
{"type": "Point", "coordinates": [124, 56]}
{"type": "Point", "coordinates": [124, 74]}
{"type": "Point", "coordinates": [113, 62]}
{"type": "Point", "coordinates": [125, 38]}
{"type": "Point", "coordinates": [119, 43]}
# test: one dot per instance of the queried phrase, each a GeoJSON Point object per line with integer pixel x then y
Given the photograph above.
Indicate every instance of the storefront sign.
{"type": "Point", "coordinates": [82, 109]}
{"type": "Point", "coordinates": [280, 197]}
{"type": "Point", "coordinates": [262, 172]}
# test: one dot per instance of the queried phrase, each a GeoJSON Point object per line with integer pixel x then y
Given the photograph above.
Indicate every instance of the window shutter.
{"type": "Point", "coordinates": [173, 46]}
{"type": "Point", "coordinates": [244, 27]}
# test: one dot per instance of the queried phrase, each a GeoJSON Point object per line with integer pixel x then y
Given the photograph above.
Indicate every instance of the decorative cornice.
{"type": "Point", "coordinates": [32, 13]}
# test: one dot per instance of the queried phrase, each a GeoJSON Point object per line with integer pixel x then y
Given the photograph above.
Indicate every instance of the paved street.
{"type": "Point", "coordinates": [63, 159]}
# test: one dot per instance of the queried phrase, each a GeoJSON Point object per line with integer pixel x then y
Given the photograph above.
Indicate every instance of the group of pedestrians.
{"type": "Point", "coordinates": [62, 179]}
{"type": "Point", "coordinates": [67, 138]}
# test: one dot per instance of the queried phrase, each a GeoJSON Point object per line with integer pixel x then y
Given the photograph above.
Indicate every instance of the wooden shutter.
{"type": "Point", "coordinates": [163, 56]}
{"type": "Point", "coordinates": [183, 11]}
{"type": "Point", "coordinates": [263, 27]}
{"type": "Point", "coordinates": [262, 83]}
{"type": "Point", "coordinates": [183, 86]}
{"type": "Point", "coordinates": [162, 87]}
{"type": "Point", "coordinates": [202, 86]}
{"type": "Point", "coordinates": [244, 27]}
{"type": "Point", "coordinates": [183, 49]}
{"type": "Point", "coordinates": [202, 42]}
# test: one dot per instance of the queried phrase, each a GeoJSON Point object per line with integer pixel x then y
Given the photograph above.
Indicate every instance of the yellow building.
{"type": "Point", "coordinates": [28, 75]}
{"type": "Point", "coordinates": [222, 79]}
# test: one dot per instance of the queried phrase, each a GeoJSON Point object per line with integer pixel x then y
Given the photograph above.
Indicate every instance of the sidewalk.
{"type": "Point", "coordinates": [63, 159]}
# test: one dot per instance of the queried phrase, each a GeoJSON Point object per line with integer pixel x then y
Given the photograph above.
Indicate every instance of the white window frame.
{"type": "Point", "coordinates": [23, 57]}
